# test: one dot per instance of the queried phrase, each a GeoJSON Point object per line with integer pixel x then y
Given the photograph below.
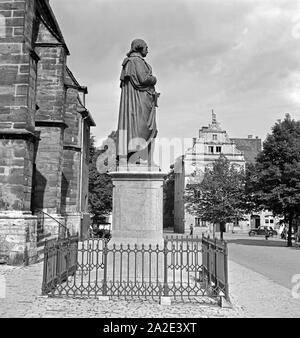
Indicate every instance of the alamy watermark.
{"type": "Point", "coordinates": [2, 287]}
{"type": "Point", "coordinates": [296, 286]}
{"type": "Point", "coordinates": [164, 152]}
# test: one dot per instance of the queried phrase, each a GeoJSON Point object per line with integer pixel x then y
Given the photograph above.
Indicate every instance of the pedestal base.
{"type": "Point", "coordinates": [137, 222]}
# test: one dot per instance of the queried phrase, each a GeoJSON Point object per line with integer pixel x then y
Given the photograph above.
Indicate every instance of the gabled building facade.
{"type": "Point", "coordinates": [44, 132]}
{"type": "Point", "coordinates": [211, 143]}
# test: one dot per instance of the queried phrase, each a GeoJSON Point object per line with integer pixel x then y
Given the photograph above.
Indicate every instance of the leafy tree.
{"type": "Point", "coordinates": [219, 195]}
{"type": "Point", "coordinates": [251, 178]}
{"type": "Point", "coordinates": [100, 187]}
{"type": "Point", "coordinates": [275, 181]}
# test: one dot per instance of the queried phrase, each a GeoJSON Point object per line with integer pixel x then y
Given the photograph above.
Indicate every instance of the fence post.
{"type": "Point", "coordinates": [105, 269]}
{"type": "Point", "coordinates": [44, 285]}
{"type": "Point", "coordinates": [208, 260]}
{"type": "Point", "coordinates": [57, 247]}
{"type": "Point", "coordinates": [203, 259]}
{"type": "Point", "coordinates": [215, 263]}
{"type": "Point", "coordinates": [226, 272]}
{"type": "Point", "coordinates": [166, 288]}
{"type": "Point", "coordinates": [77, 248]}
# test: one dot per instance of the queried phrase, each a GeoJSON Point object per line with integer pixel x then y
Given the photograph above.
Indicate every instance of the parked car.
{"type": "Point", "coordinates": [261, 231]}
{"type": "Point", "coordinates": [273, 231]}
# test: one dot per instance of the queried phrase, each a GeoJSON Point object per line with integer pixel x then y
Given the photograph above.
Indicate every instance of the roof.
{"type": "Point", "coordinates": [214, 127]}
{"type": "Point", "coordinates": [73, 82]}
{"type": "Point", "coordinates": [251, 147]}
{"type": "Point", "coordinates": [50, 20]}
{"type": "Point", "coordinates": [85, 113]}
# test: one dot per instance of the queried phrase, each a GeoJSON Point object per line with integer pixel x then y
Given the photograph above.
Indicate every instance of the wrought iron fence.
{"type": "Point", "coordinates": [60, 262]}
{"type": "Point", "coordinates": [173, 269]}
{"type": "Point", "coordinates": [215, 264]}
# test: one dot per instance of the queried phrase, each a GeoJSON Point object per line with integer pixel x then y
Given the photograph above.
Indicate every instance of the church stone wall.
{"type": "Point", "coordinates": [35, 166]}
{"type": "Point", "coordinates": [18, 68]}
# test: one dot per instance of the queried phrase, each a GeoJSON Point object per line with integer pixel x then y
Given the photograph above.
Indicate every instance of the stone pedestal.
{"type": "Point", "coordinates": [137, 221]}
{"type": "Point", "coordinates": [137, 207]}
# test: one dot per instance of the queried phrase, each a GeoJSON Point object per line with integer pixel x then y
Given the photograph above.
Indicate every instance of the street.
{"type": "Point", "coordinates": [260, 276]}
{"type": "Point", "coordinates": [271, 258]}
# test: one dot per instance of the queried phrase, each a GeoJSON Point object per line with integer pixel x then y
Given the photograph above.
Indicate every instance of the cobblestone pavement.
{"type": "Point", "coordinates": [252, 295]}
{"type": "Point", "coordinates": [23, 300]}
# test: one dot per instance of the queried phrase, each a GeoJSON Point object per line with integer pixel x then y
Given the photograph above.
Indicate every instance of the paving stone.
{"type": "Point", "coordinates": [252, 295]}
{"type": "Point", "coordinates": [259, 296]}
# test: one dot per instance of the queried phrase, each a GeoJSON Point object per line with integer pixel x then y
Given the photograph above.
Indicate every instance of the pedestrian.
{"type": "Point", "coordinates": [267, 234]}
{"type": "Point", "coordinates": [191, 230]}
{"type": "Point", "coordinates": [298, 236]}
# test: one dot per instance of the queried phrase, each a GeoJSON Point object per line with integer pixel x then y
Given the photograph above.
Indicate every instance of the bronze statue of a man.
{"type": "Point", "coordinates": [137, 117]}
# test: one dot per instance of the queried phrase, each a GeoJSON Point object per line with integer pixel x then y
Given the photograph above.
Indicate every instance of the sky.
{"type": "Point", "coordinates": [238, 57]}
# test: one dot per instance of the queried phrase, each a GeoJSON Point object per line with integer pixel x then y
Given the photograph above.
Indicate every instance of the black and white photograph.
{"type": "Point", "coordinates": [149, 162]}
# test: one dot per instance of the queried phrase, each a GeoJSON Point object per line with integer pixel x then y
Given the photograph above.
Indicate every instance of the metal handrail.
{"type": "Point", "coordinates": [60, 224]}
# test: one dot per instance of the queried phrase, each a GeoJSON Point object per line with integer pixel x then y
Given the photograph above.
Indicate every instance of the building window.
{"type": "Point", "coordinates": [203, 224]}
{"type": "Point", "coordinates": [219, 150]}
{"type": "Point", "coordinates": [269, 220]}
{"type": "Point", "coordinates": [211, 150]}
{"type": "Point", "coordinates": [200, 223]}
{"type": "Point", "coordinates": [215, 137]}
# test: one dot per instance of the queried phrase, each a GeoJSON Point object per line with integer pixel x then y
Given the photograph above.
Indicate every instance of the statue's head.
{"type": "Point", "coordinates": [139, 46]}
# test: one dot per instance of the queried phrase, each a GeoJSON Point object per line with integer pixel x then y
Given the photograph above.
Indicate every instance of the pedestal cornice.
{"type": "Point", "coordinates": [137, 176]}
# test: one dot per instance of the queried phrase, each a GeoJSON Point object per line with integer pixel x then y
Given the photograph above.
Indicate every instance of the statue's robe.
{"type": "Point", "coordinates": [137, 116]}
